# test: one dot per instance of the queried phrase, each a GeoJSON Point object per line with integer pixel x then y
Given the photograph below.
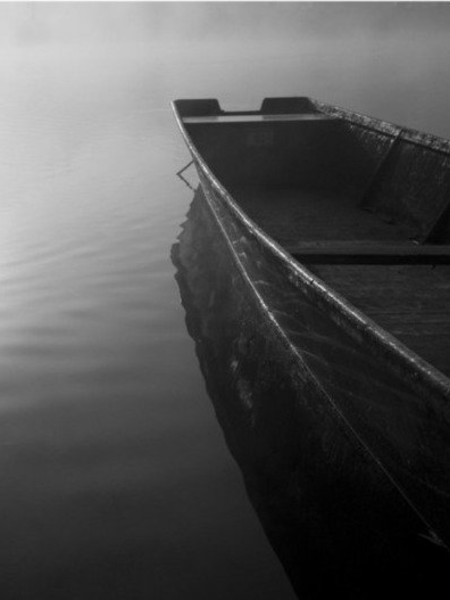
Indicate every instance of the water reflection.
{"type": "Point", "coordinates": [115, 481]}
{"type": "Point", "coordinates": [332, 519]}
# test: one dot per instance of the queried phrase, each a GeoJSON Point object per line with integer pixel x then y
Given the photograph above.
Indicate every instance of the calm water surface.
{"type": "Point", "coordinates": [116, 480]}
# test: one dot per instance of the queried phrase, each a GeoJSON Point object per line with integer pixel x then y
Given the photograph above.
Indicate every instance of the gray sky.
{"type": "Point", "coordinates": [76, 23]}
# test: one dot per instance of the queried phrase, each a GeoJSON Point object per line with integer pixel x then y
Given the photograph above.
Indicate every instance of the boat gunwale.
{"type": "Point", "coordinates": [350, 318]}
{"type": "Point", "coordinates": [406, 134]}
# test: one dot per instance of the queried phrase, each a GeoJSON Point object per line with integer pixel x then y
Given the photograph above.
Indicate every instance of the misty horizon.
{"type": "Point", "coordinates": [40, 23]}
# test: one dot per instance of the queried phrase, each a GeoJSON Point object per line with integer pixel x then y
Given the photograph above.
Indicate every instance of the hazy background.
{"type": "Point", "coordinates": [116, 481]}
{"type": "Point", "coordinates": [390, 59]}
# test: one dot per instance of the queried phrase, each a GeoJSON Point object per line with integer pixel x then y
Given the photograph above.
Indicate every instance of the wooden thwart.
{"type": "Point", "coordinates": [355, 252]}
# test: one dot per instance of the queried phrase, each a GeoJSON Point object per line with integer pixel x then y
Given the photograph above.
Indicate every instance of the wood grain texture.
{"type": "Point", "coordinates": [410, 301]}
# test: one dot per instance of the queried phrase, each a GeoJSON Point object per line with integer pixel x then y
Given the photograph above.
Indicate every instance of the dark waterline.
{"type": "Point", "coordinates": [116, 480]}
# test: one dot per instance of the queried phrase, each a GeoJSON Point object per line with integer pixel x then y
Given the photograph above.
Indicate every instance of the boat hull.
{"type": "Point", "coordinates": [341, 409]}
{"type": "Point", "coordinates": [337, 519]}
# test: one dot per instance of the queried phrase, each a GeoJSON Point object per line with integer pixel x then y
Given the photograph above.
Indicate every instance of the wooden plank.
{"type": "Point", "coordinates": [289, 215]}
{"type": "Point", "coordinates": [410, 301]}
{"type": "Point", "coordinates": [251, 118]}
{"type": "Point", "coordinates": [355, 252]}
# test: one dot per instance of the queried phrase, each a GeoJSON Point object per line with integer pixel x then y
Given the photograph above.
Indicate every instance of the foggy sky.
{"type": "Point", "coordinates": [75, 23]}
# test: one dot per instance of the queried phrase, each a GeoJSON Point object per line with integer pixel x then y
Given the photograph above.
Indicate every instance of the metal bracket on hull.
{"type": "Point", "coordinates": [183, 179]}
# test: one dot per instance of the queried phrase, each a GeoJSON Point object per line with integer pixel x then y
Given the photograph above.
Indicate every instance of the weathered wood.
{"type": "Point", "coordinates": [379, 169]}
{"type": "Point", "coordinates": [290, 215]}
{"type": "Point", "coordinates": [413, 184]}
{"type": "Point", "coordinates": [336, 331]}
{"type": "Point", "coordinates": [410, 301]}
{"type": "Point", "coordinates": [355, 252]}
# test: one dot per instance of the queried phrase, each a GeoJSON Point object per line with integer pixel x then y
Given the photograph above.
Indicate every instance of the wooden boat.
{"type": "Point", "coordinates": [335, 227]}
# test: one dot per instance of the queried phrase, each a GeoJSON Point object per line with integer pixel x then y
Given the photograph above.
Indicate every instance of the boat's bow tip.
{"type": "Point", "coordinates": [197, 108]}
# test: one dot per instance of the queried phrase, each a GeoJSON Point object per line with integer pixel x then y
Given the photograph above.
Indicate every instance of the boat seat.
{"type": "Point", "coordinates": [370, 253]}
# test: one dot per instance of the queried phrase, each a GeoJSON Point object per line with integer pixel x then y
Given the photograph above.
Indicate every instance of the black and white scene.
{"type": "Point", "coordinates": [225, 300]}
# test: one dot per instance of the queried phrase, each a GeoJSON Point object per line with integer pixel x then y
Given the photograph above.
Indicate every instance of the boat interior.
{"type": "Point", "coordinates": [362, 203]}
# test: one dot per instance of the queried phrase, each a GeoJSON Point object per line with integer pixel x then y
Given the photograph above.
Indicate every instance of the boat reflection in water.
{"type": "Point", "coordinates": [336, 518]}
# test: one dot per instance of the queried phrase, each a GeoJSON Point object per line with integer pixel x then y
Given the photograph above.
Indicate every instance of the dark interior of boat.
{"type": "Point", "coordinates": [362, 203]}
